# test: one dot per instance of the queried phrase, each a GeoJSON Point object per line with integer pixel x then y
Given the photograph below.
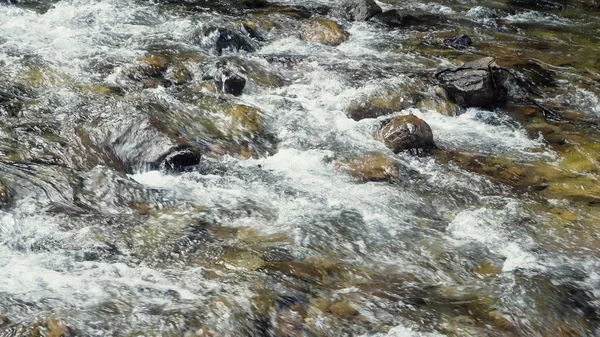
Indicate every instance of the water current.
{"type": "Point", "coordinates": [270, 235]}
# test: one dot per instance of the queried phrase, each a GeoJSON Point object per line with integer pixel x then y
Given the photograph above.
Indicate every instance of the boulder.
{"type": "Point", "coordinates": [395, 18]}
{"type": "Point", "coordinates": [231, 83]}
{"type": "Point", "coordinates": [371, 167]}
{"type": "Point", "coordinates": [459, 42]}
{"type": "Point", "coordinates": [179, 159]}
{"type": "Point", "coordinates": [358, 10]}
{"type": "Point", "coordinates": [13, 97]}
{"type": "Point", "coordinates": [406, 133]}
{"type": "Point", "coordinates": [39, 6]}
{"type": "Point", "coordinates": [324, 31]}
{"type": "Point", "coordinates": [383, 103]}
{"type": "Point", "coordinates": [476, 84]}
{"type": "Point", "coordinates": [222, 39]}
{"type": "Point", "coordinates": [5, 196]}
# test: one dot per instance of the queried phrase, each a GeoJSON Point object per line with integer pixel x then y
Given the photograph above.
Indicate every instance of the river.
{"type": "Point", "coordinates": [286, 227]}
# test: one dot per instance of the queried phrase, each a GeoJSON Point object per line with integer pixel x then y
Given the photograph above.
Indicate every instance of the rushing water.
{"type": "Point", "coordinates": [283, 243]}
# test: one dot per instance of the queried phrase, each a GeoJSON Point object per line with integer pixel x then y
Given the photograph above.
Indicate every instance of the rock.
{"type": "Point", "coordinates": [395, 18]}
{"type": "Point", "coordinates": [372, 167]}
{"type": "Point", "coordinates": [142, 143]}
{"type": "Point", "coordinates": [476, 84]}
{"type": "Point", "coordinates": [324, 31]}
{"type": "Point", "coordinates": [157, 70]}
{"type": "Point", "coordinates": [179, 159]}
{"type": "Point", "coordinates": [440, 103]}
{"type": "Point", "coordinates": [39, 6]}
{"type": "Point", "coordinates": [5, 196]}
{"type": "Point", "coordinates": [52, 328]}
{"type": "Point", "coordinates": [343, 310]}
{"type": "Point", "coordinates": [230, 83]}
{"type": "Point", "coordinates": [408, 132]}
{"type": "Point", "coordinates": [459, 42]}
{"type": "Point", "coordinates": [226, 6]}
{"type": "Point", "coordinates": [388, 101]}
{"type": "Point", "coordinates": [224, 39]}
{"type": "Point", "coordinates": [13, 97]}
{"type": "Point", "coordinates": [178, 75]}
{"type": "Point", "coordinates": [358, 10]}
{"type": "Point", "coordinates": [254, 71]}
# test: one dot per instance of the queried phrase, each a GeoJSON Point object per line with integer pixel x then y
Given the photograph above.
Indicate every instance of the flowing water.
{"type": "Point", "coordinates": [496, 234]}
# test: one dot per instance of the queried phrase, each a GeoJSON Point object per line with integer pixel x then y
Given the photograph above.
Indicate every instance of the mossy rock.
{"type": "Point", "coordinates": [324, 31]}
{"type": "Point", "coordinates": [253, 237]}
{"type": "Point", "coordinates": [241, 259]}
{"type": "Point", "coordinates": [487, 270]}
{"type": "Point", "coordinates": [500, 169]}
{"type": "Point", "coordinates": [391, 99]}
{"type": "Point", "coordinates": [295, 269]}
{"type": "Point", "coordinates": [372, 167]}
{"type": "Point", "coordinates": [343, 309]}
{"type": "Point", "coordinates": [439, 105]}
{"type": "Point", "coordinates": [52, 328]}
{"type": "Point", "coordinates": [40, 76]}
{"type": "Point", "coordinates": [255, 72]}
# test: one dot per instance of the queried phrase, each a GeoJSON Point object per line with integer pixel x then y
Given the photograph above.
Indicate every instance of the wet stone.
{"type": "Point", "coordinates": [372, 167]}
{"type": "Point", "coordinates": [475, 84]}
{"type": "Point", "coordinates": [227, 39]}
{"type": "Point", "coordinates": [395, 18]}
{"type": "Point", "coordinates": [232, 83]}
{"type": "Point", "coordinates": [406, 133]}
{"type": "Point", "coordinates": [277, 254]}
{"type": "Point", "coordinates": [324, 31]}
{"type": "Point", "coordinates": [5, 195]}
{"type": "Point", "coordinates": [358, 10]}
{"type": "Point", "coordinates": [180, 160]}
{"type": "Point", "coordinates": [459, 42]}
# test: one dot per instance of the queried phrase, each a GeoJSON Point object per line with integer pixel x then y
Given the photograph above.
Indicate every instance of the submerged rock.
{"type": "Point", "coordinates": [395, 18]}
{"type": "Point", "coordinates": [226, 6]}
{"type": "Point", "coordinates": [476, 84]}
{"type": "Point", "coordinates": [231, 83]}
{"type": "Point", "coordinates": [459, 42]}
{"type": "Point", "coordinates": [52, 328]}
{"type": "Point", "coordinates": [5, 195]}
{"type": "Point", "coordinates": [358, 10]}
{"type": "Point", "coordinates": [324, 31]}
{"type": "Point", "coordinates": [387, 101]}
{"type": "Point", "coordinates": [372, 167]}
{"type": "Point", "coordinates": [13, 98]}
{"type": "Point", "coordinates": [223, 39]}
{"type": "Point", "coordinates": [156, 70]}
{"type": "Point", "coordinates": [39, 6]}
{"type": "Point", "coordinates": [179, 159]}
{"type": "Point", "coordinates": [406, 133]}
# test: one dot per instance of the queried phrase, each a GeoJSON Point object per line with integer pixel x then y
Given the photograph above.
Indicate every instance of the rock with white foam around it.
{"type": "Point", "coordinates": [406, 133]}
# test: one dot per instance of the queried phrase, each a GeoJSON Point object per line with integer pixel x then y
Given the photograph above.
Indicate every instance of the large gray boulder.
{"type": "Point", "coordinates": [479, 83]}
{"type": "Point", "coordinates": [358, 10]}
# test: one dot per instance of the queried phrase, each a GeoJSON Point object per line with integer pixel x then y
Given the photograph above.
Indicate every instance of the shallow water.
{"type": "Point", "coordinates": [254, 246]}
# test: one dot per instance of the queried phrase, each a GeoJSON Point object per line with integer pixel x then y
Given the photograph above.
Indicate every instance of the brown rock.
{"type": "Point", "coordinates": [373, 167]}
{"type": "Point", "coordinates": [402, 133]}
{"type": "Point", "coordinates": [343, 310]}
{"type": "Point", "coordinates": [324, 31]}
